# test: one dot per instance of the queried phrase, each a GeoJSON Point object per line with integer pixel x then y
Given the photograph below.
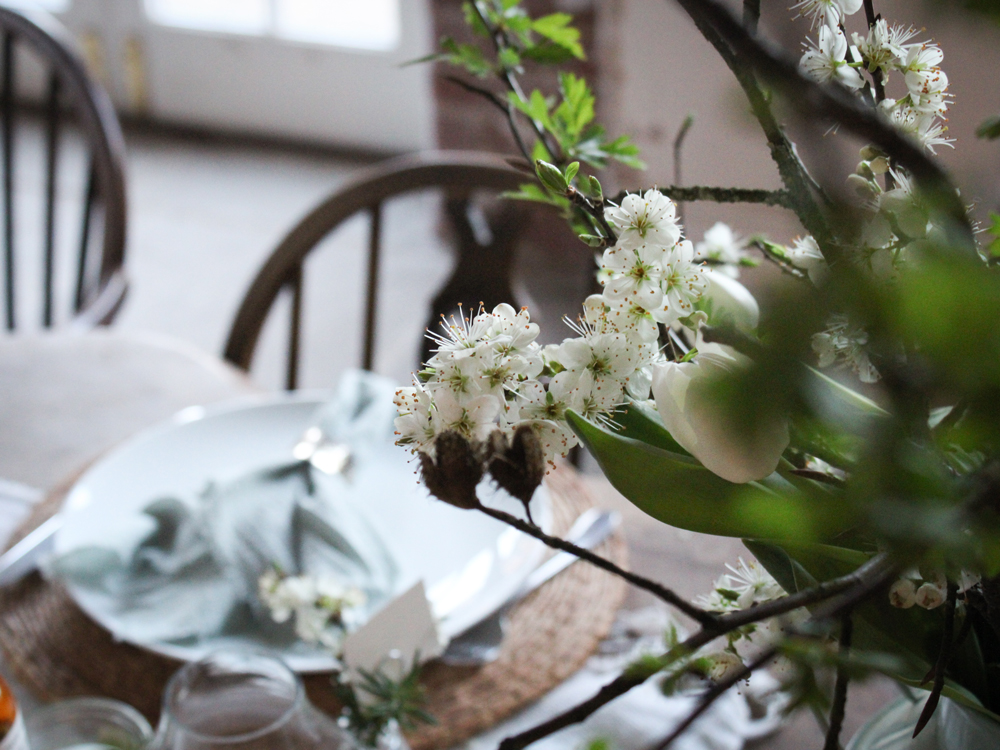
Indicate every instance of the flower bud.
{"type": "Point", "coordinates": [868, 153]}
{"type": "Point", "coordinates": [551, 176]}
{"type": "Point", "coordinates": [595, 188]}
{"type": "Point", "coordinates": [725, 664]}
{"type": "Point", "coordinates": [865, 170]}
{"type": "Point", "coordinates": [930, 596]}
{"type": "Point", "coordinates": [902, 594]}
{"type": "Point", "coordinates": [879, 165]}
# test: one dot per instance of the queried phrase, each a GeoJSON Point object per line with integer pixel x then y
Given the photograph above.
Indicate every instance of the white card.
{"type": "Point", "coordinates": [392, 638]}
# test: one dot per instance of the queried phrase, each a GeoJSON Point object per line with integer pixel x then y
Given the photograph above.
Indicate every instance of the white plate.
{"type": "Point", "coordinates": [469, 562]}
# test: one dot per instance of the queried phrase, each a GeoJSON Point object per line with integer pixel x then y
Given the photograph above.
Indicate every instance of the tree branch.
{"type": "Point", "coordinates": [722, 195]}
{"type": "Point", "coordinates": [857, 585]}
{"type": "Point", "coordinates": [840, 688]}
{"type": "Point", "coordinates": [836, 104]}
{"type": "Point", "coordinates": [696, 613]}
{"type": "Point", "coordinates": [503, 106]}
{"type": "Point", "coordinates": [751, 15]}
{"type": "Point", "coordinates": [944, 657]}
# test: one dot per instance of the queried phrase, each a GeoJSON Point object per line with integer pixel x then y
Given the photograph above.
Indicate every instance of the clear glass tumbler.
{"type": "Point", "coordinates": [88, 724]}
{"type": "Point", "coordinates": [243, 700]}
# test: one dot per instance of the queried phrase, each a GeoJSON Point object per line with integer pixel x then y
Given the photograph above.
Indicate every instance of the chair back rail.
{"type": "Point", "coordinates": [99, 286]}
{"type": "Point", "coordinates": [481, 272]}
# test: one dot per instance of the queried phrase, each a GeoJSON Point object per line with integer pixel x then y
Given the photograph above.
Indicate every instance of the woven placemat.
{"type": "Point", "coordinates": [56, 651]}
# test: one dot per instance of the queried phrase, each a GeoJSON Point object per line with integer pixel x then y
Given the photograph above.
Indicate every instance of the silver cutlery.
{"type": "Point", "coordinates": [480, 643]}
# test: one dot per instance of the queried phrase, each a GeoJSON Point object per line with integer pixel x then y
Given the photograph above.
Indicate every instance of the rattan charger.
{"type": "Point", "coordinates": [57, 651]}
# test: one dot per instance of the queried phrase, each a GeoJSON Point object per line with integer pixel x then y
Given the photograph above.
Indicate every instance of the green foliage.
{"type": "Point", "coordinates": [990, 129]}
{"type": "Point", "coordinates": [467, 56]}
{"type": "Point", "coordinates": [402, 701]}
{"type": "Point", "coordinates": [993, 249]}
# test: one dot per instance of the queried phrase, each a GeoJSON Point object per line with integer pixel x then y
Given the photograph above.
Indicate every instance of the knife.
{"type": "Point", "coordinates": [26, 555]}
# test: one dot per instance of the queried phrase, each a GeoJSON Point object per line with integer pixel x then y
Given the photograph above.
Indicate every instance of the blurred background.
{"type": "Point", "coordinates": [240, 115]}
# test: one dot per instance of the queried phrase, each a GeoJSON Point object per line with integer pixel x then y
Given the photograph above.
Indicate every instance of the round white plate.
{"type": "Point", "coordinates": [469, 563]}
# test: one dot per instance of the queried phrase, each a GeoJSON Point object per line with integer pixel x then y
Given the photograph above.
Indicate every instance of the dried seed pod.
{"type": "Point", "coordinates": [518, 466]}
{"type": "Point", "coordinates": [452, 476]}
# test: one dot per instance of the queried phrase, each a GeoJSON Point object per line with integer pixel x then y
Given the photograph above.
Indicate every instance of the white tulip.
{"type": "Point", "coordinates": [730, 299]}
{"type": "Point", "coordinates": [685, 400]}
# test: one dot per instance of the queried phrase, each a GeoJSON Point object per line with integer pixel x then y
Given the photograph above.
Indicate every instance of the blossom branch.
{"type": "Point", "coordinates": [793, 174]}
{"type": "Point", "coordinates": [854, 587]}
{"type": "Point", "coordinates": [723, 195]}
{"type": "Point", "coordinates": [714, 693]}
{"type": "Point", "coordinates": [781, 263]}
{"type": "Point", "coordinates": [504, 107]}
{"type": "Point", "coordinates": [751, 15]}
{"type": "Point", "coordinates": [500, 42]}
{"type": "Point", "coordinates": [835, 104]}
{"type": "Point", "coordinates": [840, 688]}
{"type": "Point", "coordinates": [658, 590]}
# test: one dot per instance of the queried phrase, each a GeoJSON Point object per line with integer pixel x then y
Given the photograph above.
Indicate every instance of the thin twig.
{"type": "Point", "coordinates": [504, 107]}
{"type": "Point", "coordinates": [781, 263]}
{"type": "Point", "coordinates": [714, 693]}
{"type": "Point", "coordinates": [678, 152]}
{"type": "Point", "coordinates": [859, 584]}
{"type": "Point", "coordinates": [840, 688]}
{"type": "Point", "coordinates": [594, 209]}
{"type": "Point", "coordinates": [658, 590]}
{"type": "Point", "coordinates": [722, 195]}
{"type": "Point", "coordinates": [751, 15]}
{"type": "Point", "coordinates": [944, 658]}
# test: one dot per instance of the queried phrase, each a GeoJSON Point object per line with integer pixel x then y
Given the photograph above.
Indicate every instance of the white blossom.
{"type": "Point", "coordinates": [721, 247]}
{"type": "Point", "coordinates": [826, 59]}
{"type": "Point", "coordinates": [321, 606]}
{"type": "Point", "coordinates": [902, 593]}
{"type": "Point", "coordinates": [415, 423]}
{"type": "Point", "coordinates": [634, 275]}
{"type": "Point", "coordinates": [806, 255]}
{"type": "Point", "coordinates": [844, 342]}
{"type": "Point", "coordinates": [883, 47]}
{"type": "Point", "coordinates": [684, 283]}
{"type": "Point", "coordinates": [827, 12]}
{"type": "Point", "coordinates": [647, 219]}
{"type": "Point", "coordinates": [930, 595]}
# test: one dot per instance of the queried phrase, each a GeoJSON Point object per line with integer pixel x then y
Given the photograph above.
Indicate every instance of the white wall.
{"type": "Point", "coordinates": [262, 84]}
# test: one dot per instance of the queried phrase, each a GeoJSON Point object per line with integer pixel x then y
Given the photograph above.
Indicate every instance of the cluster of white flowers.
{"type": "Point", "coordinates": [488, 373]}
{"type": "Point", "coordinates": [745, 585]}
{"type": "Point", "coordinates": [323, 608]}
{"type": "Point", "coordinates": [884, 50]}
{"type": "Point", "coordinates": [722, 250]}
{"type": "Point", "coordinates": [927, 591]}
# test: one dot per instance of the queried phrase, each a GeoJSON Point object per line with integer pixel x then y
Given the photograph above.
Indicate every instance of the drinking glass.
{"type": "Point", "coordinates": [243, 700]}
{"type": "Point", "coordinates": [88, 724]}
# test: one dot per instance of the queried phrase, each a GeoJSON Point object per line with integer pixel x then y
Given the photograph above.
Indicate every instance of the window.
{"type": "Point", "coordinates": [369, 25]}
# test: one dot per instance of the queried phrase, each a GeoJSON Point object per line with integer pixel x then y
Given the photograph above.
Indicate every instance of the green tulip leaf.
{"type": "Point", "coordinates": [678, 490]}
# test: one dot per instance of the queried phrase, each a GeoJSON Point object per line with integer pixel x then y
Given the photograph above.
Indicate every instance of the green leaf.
{"type": "Point", "coordinates": [547, 53]}
{"type": "Point", "coordinates": [537, 107]}
{"type": "Point", "coordinates": [555, 27]}
{"type": "Point", "coordinates": [571, 170]}
{"type": "Point", "coordinates": [466, 56]}
{"type": "Point", "coordinates": [576, 110]}
{"type": "Point", "coordinates": [679, 491]}
{"type": "Point", "coordinates": [509, 59]}
{"type": "Point", "coordinates": [639, 421]}
{"type": "Point", "coordinates": [595, 189]}
{"type": "Point", "coordinates": [473, 21]}
{"type": "Point", "coordinates": [994, 247]}
{"type": "Point", "coordinates": [990, 129]}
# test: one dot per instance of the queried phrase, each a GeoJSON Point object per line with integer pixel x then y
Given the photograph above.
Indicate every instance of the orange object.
{"type": "Point", "coordinates": [8, 707]}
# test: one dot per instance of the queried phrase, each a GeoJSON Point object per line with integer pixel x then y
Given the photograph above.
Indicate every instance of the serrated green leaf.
{"type": "Point", "coordinates": [466, 56]}
{"type": "Point", "coordinates": [679, 491]}
{"type": "Point", "coordinates": [473, 21]}
{"type": "Point", "coordinates": [508, 58]}
{"type": "Point", "coordinates": [547, 53]}
{"type": "Point", "coordinates": [537, 107]}
{"type": "Point", "coordinates": [532, 192]}
{"type": "Point", "coordinates": [555, 27]}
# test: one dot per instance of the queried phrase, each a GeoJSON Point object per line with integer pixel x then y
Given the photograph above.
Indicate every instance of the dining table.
{"type": "Point", "coordinates": [67, 398]}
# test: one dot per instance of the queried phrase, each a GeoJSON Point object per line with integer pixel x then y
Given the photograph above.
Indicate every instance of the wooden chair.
{"type": "Point", "coordinates": [481, 273]}
{"type": "Point", "coordinates": [71, 98]}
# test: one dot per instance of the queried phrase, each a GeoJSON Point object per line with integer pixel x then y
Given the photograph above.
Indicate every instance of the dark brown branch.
{"type": "Point", "coordinates": [751, 15]}
{"type": "Point", "coordinates": [859, 584]}
{"type": "Point", "coordinates": [715, 692]}
{"type": "Point", "coordinates": [503, 106]}
{"type": "Point", "coordinates": [836, 104]}
{"type": "Point", "coordinates": [944, 658]}
{"type": "Point", "coordinates": [595, 210]}
{"type": "Point", "coordinates": [658, 590]}
{"type": "Point", "coordinates": [678, 162]}
{"type": "Point", "coordinates": [840, 688]}
{"type": "Point", "coordinates": [722, 195]}
{"type": "Point", "coordinates": [793, 173]}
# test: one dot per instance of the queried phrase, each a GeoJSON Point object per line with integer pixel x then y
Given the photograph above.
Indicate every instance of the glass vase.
{"type": "Point", "coordinates": [243, 700]}
{"type": "Point", "coordinates": [953, 727]}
